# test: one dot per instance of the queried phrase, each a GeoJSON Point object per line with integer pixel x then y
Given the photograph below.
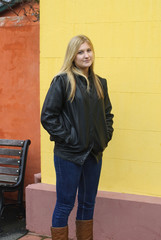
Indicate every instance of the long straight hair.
{"type": "Point", "coordinates": [70, 68]}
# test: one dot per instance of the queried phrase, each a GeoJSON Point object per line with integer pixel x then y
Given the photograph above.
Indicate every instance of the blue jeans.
{"type": "Point", "coordinates": [71, 177]}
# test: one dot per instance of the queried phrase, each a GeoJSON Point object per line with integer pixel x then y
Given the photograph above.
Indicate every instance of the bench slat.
{"type": "Point", "coordinates": [7, 178]}
{"type": "Point", "coordinates": [6, 184]}
{"type": "Point", "coordinates": [9, 170]}
{"type": "Point", "coordinates": [13, 157]}
{"type": "Point", "coordinates": [10, 152]}
{"type": "Point", "coordinates": [8, 142]}
{"type": "Point", "coordinates": [10, 161]}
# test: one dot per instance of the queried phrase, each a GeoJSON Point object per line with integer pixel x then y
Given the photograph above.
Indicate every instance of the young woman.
{"type": "Point", "coordinates": [77, 115]}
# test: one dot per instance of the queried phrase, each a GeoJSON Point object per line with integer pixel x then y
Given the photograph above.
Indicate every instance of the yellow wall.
{"type": "Point", "coordinates": [127, 39]}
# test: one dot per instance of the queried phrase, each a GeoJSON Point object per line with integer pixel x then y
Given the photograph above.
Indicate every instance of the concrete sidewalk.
{"type": "Point", "coordinates": [33, 236]}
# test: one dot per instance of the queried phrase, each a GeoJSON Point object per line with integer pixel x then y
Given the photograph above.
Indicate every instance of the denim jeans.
{"type": "Point", "coordinates": [71, 177]}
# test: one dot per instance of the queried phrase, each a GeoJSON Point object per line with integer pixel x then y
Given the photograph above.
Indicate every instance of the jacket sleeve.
{"type": "Point", "coordinates": [109, 116]}
{"type": "Point", "coordinates": [51, 111]}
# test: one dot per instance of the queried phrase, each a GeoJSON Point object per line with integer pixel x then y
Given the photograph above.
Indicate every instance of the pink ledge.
{"type": "Point", "coordinates": [117, 216]}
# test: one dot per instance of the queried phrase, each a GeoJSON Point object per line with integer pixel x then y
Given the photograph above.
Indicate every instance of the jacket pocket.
{"type": "Point", "coordinates": [71, 136]}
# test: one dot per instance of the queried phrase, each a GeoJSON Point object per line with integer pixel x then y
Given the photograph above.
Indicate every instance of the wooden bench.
{"type": "Point", "coordinates": [13, 156]}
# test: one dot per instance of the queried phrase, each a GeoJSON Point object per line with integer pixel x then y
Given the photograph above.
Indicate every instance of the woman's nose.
{"type": "Point", "coordinates": [86, 54]}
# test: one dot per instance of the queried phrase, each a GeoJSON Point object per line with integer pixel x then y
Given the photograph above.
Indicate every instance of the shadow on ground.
{"type": "Point", "coordinates": [12, 223]}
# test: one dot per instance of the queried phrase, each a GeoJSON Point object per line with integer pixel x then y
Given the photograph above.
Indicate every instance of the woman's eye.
{"type": "Point", "coordinates": [89, 50]}
{"type": "Point", "coordinates": [80, 52]}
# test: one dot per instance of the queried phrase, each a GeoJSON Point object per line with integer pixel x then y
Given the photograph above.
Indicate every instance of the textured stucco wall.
{"type": "Point", "coordinates": [19, 87]}
{"type": "Point", "coordinates": [127, 39]}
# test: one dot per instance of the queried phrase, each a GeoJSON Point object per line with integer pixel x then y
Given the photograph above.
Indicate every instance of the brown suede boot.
{"type": "Point", "coordinates": [59, 233]}
{"type": "Point", "coordinates": [84, 229]}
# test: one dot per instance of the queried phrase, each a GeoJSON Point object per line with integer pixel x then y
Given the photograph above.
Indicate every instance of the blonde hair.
{"type": "Point", "coordinates": [70, 68]}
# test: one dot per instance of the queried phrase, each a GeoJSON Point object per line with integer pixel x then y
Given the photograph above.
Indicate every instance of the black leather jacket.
{"type": "Point", "coordinates": [79, 127]}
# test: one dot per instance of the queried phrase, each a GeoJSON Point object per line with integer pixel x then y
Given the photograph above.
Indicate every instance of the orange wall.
{"type": "Point", "coordinates": [19, 89]}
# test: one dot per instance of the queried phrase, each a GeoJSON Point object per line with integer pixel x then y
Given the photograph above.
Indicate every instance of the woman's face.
{"type": "Point", "coordinates": [84, 57]}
